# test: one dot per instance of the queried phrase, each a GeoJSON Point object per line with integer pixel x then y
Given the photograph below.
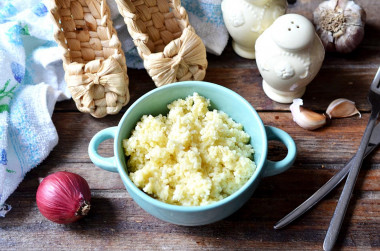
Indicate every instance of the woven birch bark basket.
{"type": "Point", "coordinates": [94, 63]}
{"type": "Point", "coordinates": [165, 40]}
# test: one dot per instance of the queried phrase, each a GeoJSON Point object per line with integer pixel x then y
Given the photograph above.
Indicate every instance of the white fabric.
{"type": "Point", "coordinates": [28, 58]}
{"type": "Point", "coordinates": [31, 133]}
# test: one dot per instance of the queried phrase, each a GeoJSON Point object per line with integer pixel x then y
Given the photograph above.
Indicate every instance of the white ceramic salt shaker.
{"type": "Point", "coordinates": [289, 55]}
{"type": "Point", "coordinates": [246, 20]}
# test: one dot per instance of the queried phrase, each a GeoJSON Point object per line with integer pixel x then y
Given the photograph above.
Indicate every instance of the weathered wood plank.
{"type": "Point", "coordinates": [350, 83]}
{"type": "Point", "coordinates": [300, 179]}
{"type": "Point", "coordinates": [117, 222]}
{"type": "Point", "coordinates": [116, 216]}
{"type": "Point", "coordinates": [333, 144]}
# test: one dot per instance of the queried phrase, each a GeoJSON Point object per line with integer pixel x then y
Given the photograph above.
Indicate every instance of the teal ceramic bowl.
{"type": "Point", "coordinates": [155, 102]}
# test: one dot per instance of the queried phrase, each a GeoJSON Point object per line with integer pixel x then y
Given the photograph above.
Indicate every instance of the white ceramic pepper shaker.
{"type": "Point", "coordinates": [289, 55]}
{"type": "Point", "coordinates": [246, 20]}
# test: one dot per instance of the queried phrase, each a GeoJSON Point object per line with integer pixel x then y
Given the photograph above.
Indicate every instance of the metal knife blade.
{"type": "Point", "coordinates": [329, 185]}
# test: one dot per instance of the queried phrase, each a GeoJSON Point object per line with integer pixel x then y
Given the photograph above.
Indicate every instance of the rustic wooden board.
{"type": "Point", "coordinates": [117, 222]}
{"type": "Point", "coordinates": [342, 137]}
{"type": "Point", "coordinates": [351, 83]}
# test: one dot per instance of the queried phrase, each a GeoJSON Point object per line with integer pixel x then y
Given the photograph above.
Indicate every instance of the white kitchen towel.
{"type": "Point", "coordinates": [32, 78]}
{"type": "Point", "coordinates": [206, 18]}
{"type": "Point", "coordinates": [28, 56]}
{"type": "Point", "coordinates": [31, 133]}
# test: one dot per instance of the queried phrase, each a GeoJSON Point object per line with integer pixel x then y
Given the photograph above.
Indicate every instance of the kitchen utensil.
{"type": "Point", "coordinates": [246, 20]}
{"type": "Point", "coordinates": [330, 185]}
{"type": "Point", "coordinates": [340, 211]}
{"type": "Point", "coordinates": [289, 54]}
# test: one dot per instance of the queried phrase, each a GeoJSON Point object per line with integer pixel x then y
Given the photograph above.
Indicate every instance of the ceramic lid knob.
{"type": "Point", "coordinates": [292, 32]}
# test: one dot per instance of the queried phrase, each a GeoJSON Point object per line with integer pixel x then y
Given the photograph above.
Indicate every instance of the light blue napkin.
{"type": "Point", "coordinates": [31, 81]}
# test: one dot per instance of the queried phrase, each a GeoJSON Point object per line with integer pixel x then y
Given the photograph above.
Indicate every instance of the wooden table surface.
{"type": "Point", "coordinates": [117, 222]}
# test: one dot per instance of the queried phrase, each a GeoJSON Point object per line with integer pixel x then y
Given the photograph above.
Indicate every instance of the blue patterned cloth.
{"type": "Point", "coordinates": [29, 87]}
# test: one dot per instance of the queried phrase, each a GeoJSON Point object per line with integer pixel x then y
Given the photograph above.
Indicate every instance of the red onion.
{"type": "Point", "coordinates": [63, 197]}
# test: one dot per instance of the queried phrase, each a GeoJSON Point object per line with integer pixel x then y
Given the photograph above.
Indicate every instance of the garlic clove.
{"type": "Point", "coordinates": [342, 108]}
{"type": "Point", "coordinates": [340, 25]}
{"type": "Point", "coordinates": [306, 118]}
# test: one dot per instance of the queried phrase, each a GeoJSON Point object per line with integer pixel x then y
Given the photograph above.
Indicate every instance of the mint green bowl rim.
{"type": "Point", "coordinates": [130, 185]}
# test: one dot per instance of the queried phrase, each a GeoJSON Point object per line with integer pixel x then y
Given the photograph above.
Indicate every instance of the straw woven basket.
{"type": "Point", "coordinates": [94, 63]}
{"type": "Point", "coordinates": [165, 40]}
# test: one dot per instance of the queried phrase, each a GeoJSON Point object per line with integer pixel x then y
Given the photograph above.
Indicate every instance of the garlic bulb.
{"type": "Point", "coordinates": [340, 25]}
{"type": "Point", "coordinates": [306, 118]}
{"type": "Point", "coordinates": [342, 108]}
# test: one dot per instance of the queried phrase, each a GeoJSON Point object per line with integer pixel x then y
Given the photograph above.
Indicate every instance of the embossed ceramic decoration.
{"type": "Point", "coordinates": [289, 55]}
{"type": "Point", "coordinates": [246, 20]}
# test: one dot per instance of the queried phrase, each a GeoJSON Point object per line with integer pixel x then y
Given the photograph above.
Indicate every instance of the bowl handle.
{"type": "Point", "coordinates": [276, 167]}
{"type": "Point", "coordinates": [106, 163]}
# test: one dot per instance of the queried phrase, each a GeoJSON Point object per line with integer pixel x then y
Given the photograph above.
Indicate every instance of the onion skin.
{"type": "Point", "coordinates": [63, 197]}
